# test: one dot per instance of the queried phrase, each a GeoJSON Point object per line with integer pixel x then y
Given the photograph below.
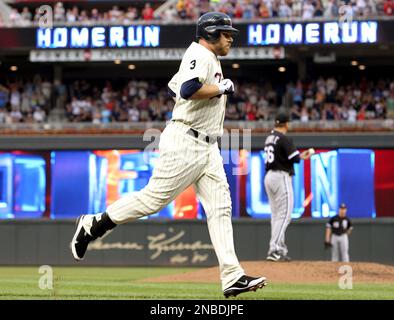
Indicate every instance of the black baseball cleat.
{"type": "Point", "coordinates": [278, 257]}
{"type": "Point", "coordinates": [245, 284]}
{"type": "Point", "coordinates": [80, 241]}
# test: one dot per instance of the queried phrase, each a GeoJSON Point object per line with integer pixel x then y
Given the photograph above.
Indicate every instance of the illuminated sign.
{"type": "Point", "coordinates": [312, 33]}
{"type": "Point", "coordinates": [257, 204]}
{"type": "Point", "coordinates": [324, 173]}
{"type": "Point", "coordinates": [98, 37]}
{"type": "Point", "coordinates": [343, 175]}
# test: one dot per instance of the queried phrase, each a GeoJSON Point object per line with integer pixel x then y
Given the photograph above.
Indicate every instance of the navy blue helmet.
{"type": "Point", "coordinates": [210, 25]}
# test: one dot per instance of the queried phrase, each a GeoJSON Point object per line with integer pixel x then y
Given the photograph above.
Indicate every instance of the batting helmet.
{"type": "Point", "coordinates": [210, 24]}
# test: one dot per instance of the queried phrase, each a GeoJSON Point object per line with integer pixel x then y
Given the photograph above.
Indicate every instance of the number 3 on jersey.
{"type": "Point", "coordinates": [269, 154]}
{"type": "Point", "coordinates": [192, 64]}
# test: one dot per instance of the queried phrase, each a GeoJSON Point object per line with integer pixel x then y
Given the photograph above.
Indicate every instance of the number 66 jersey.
{"type": "Point", "coordinates": [206, 115]}
{"type": "Point", "coordinates": [280, 153]}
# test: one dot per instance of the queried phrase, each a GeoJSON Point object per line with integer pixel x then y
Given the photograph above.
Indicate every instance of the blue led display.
{"type": "Point", "coordinates": [98, 37]}
{"type": "Point", "coordinates": [312, 33]}
{"type": "Point", "coordinates": [23, 183]}
{"type": "Point", "coordinates": [257, 204]}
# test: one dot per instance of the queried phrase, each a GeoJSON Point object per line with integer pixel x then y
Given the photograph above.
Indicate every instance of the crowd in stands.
{"type": "Point", "coordinates": [192, 9]}
{"type": "Point", "coordinates": [69, 14]}
{"type": "Point", "coordinates": [27, 102]}
{"type": "Point", "coordinates": [141, 101]}
{"type": "Point", "coordinates": [321, 99]}
{"type": "Point", "coordinates": [137, 101]}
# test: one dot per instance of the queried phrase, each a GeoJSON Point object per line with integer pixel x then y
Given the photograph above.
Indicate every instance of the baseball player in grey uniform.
{"type": "Point", "coordinates": [338, 230]}
{"type": "Point", "coordinates": [280, 156]}
{"type": "Point", "coordinates": [189, 155]}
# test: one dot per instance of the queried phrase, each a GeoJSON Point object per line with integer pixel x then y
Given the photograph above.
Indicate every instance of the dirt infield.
{"type": "Point", "coordinates": [292, 272]}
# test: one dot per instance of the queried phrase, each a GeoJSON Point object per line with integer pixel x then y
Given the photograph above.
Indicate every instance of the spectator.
{"type": "Point", "coordinates": [72, 15]}
{"type": "Point", "coordinates": [39, 115]}
{"type": "Point", "coordinates": [96, 115]}
{"type": "Point", "coordinates": [134, 114]}
{"type": "Point", "coordinates": [147, 13]}
{"type": "Point", "coordinates": [297, 8]}
{"type": "Point", "coordinates": [388, 7]}
{"type": "Point", "coordinates": [295, 113]}
{"type": "Point", "coordinates": [94, 15]}
{"type": "Point", "coordinates": [360, 7]}
{"type": "Point", "coordinates": [284, 10]}
{"type": "Point", "coordinates": [15, 97]}
{"type": "Point", "coordinates": [4, 92]}
{"type": "Point", "coordinates": [238, 11]}
{"type": "Point", "coordinates": [37, 14]}
{"type": "Point", "coordinates": [15, 17]}
{"type": "Point", "coordinates": [264, 12]}
{"type": "Point", "coordinates": [318, 9]}
{"type": "Point", "coordinates": [16, 115]}
{"type": "Point", "coordinates": [351, 115]}
{"type": "Point", "coordinates": [304, 116]}
{"type": "Point", "coordinates": [308, 10]}
{"type": "Point", "coordinates": [390, 105]}
{"type": "Point", "coordinates": [131, 14]}
{"type": "Point", "coordinates": [115, 14]}
{"type": "Point", "coordinates": [190, 9]}
{"type": "Point", "coordinates": [331, 10]}
{"type": "Point", "coordinates": [26, 15]}
{"type": "Point", "coordinates": [83, 16]}
{"type": "Point", "coordinates": [59, 13]}
{"type": "Point", "coordinates": [169, 14]}
{"type": "Point", "coordinates": [248, 11]}
{"type": "Point", "coordinates": [3, 115]}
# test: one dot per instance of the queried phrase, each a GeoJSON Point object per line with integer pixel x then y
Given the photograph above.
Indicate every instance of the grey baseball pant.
{"type": "Point", "coordinates": [340, 248]}
{"type": "Point", "coordinates": [279, 188]}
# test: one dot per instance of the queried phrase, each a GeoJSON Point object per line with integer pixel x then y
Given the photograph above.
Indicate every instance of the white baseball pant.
{"type": "Point", "coordinates": [185, 160]}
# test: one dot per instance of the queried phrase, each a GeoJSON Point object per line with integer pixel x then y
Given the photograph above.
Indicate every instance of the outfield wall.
{"type": "Point", "coordinates": [130, 141]}
{"type": "Point", "coordinates": [183, 242]}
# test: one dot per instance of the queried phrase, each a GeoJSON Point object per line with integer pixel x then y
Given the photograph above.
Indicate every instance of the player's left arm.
{"type": "Point", "coordinates": [350, 227]}
{"type": "Point", "coordinates": [327, 239]}
{"type": "Point", "coordinates": [305, 155]}
{"type": "Point", "coordinates": [193, 89]}
{"type": "Point", "coordinates": [194, 83]}
{"type": "Point", "coordinates": [291, 152]}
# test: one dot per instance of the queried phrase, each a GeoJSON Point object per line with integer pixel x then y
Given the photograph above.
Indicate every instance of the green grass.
{"type": "Point", "coordinates": [121, 283]}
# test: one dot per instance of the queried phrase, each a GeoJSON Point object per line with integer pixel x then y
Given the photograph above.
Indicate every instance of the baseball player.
{"type": "Point", "coordinates": [338, 229]}
{"type": "Point", "coordinates": [280, 155]}
{"type": "Point", "coordinates": [189, 155]}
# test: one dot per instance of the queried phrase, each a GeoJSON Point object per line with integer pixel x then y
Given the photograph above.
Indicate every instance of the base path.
{"type": "Point", "coordinates": [292, 272]}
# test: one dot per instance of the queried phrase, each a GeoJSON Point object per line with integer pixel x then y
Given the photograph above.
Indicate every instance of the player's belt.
{"type": "Point", "coordinates": [194, 133]}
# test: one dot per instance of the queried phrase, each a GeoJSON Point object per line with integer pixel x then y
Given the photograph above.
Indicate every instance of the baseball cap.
{"type": "Point", "coordinates": [343, 206]}
{"type": "Point", "coordinates": [281, 118]}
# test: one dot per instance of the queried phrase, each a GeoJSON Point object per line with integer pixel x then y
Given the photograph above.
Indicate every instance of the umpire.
{"type": "Point", "coordinates": [338, 230]}
{"type": "Point", "coordinates": [280, 156]}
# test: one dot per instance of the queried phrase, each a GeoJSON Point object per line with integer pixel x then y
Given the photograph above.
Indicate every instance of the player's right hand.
{"type": "Point", "coordinates": [226, 87]}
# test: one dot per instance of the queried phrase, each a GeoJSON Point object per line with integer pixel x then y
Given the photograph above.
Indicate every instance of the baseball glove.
{"type": "Point", "coordinates": [327, 245]}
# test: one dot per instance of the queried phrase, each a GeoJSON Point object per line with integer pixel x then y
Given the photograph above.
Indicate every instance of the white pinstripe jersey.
{"type": "Point", "coordinates": [206, 115]}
